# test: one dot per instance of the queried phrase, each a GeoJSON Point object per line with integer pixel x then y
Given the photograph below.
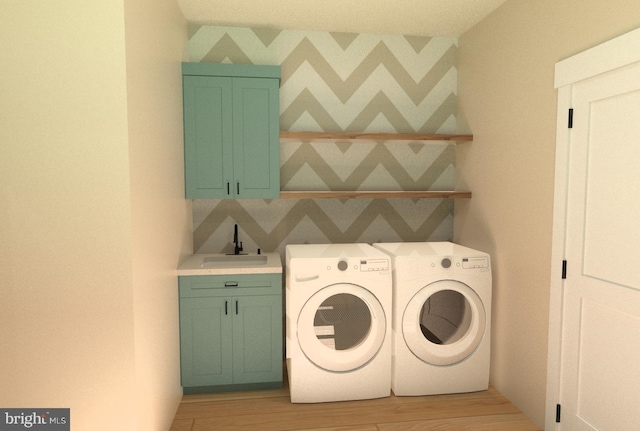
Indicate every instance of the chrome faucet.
{"type": "Point", "coordinates": [238, 248]}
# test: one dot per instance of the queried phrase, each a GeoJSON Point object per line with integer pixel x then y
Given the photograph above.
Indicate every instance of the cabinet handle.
{"type": "Point", "coordinates": [236, 307]}
{"type": "Point", "coordinates": [228, 188]}
{"type": "Point", "coordinates": [226, 307]}
{"type": "Point", "coordinates": [238, 187]}
{"type": "Point", "coordinates": [230, 284]}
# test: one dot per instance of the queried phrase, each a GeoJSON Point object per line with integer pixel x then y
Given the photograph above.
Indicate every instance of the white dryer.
{"type": "Point", "coordinates": [441, 318]}
{"type": "Point", "coordinates": [338, 320]}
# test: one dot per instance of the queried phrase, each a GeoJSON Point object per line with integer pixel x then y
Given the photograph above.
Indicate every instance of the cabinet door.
{"type": "Point", "coordinates": [208, 137]}
{"type": "Point", "coordinates": [257, 339]}
{"type": "Point", "coordinates": [256, 138]}
{"type": "Point", "coordinates": [206, 355]}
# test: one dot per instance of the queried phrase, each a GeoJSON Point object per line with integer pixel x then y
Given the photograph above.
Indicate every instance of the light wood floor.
{"type": "Point", "coordinates": [273, 411]}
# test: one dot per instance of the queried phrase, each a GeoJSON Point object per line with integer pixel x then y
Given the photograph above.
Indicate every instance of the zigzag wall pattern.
{"type": "Point", "coordinates": [367, 165]}
{"type": "Point", "coordinates": [270, 225]}
{"type": "Point", "coordinates": [342, 82]}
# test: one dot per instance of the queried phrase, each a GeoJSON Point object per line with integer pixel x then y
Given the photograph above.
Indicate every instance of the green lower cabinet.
{"type": "Point", "coordinates": [257, 327]}
{"type": "Point", "coordinates": [230, 337]}
{"type": "Point", "coordinates": [206, 342]}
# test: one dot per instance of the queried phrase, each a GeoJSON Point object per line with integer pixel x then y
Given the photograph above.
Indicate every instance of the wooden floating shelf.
{"type": "Point", "coordinates": [374, 194]}
{"type": "Point", "coordinates": [376, 136]}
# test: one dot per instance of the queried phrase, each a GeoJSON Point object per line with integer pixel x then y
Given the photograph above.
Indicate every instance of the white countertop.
{"type": "Point", "coordinates": [193, 265]}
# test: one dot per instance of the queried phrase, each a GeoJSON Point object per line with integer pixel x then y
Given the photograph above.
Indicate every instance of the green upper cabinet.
{"type": "Point", "coordinates": [231, 131]}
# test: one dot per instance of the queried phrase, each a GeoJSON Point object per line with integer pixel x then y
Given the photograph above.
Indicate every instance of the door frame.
{"type": "Point", "coordinates": [616, 53]}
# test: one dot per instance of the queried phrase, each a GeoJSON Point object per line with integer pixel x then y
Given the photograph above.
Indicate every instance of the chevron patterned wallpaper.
{"type": "Point", "coordinates": [342, 82]}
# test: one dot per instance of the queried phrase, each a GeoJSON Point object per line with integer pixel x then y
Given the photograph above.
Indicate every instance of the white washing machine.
{"type": "Point", "coordinates": [441, 318]}
{"type": "Point", "coordinates": [338, 322]}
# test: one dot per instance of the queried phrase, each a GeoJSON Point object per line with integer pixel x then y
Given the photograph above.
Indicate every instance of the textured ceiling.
{"type": "Point", "coordinates": [407, 17]}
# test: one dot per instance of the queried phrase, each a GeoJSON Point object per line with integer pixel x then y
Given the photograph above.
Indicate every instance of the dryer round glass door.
{"type": "Point", "coordinates": [444, 322]}
{"type": "Point", "coordinates": [341, 327]}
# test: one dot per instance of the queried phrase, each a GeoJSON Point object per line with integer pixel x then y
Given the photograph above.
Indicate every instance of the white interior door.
{"type": "Point", "coordinates": [600, 349]}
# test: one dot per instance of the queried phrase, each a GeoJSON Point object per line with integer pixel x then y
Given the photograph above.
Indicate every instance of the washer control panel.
{"type": "Point", "coordinates": [479, 262]}
{"type": "Point", "coordinates": [373, 265]}
{"type": "Point", "coordinates": [370, 265]}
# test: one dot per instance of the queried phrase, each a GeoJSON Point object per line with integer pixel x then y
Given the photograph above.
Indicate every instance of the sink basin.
{"type": "Point", "coordinates": [234, 260]}
{"type": "Point", "coordinates": [224, 264]}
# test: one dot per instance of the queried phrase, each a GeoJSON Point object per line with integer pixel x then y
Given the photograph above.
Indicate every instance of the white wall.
{"type": "Point", "coordinates": [65, 211]}
{"type": "Point", "coordinates": [507, 100]}
{"type": "Point", "coordinates": [156, 43]}
{"type": "Point", "coordinates": [72, 270]}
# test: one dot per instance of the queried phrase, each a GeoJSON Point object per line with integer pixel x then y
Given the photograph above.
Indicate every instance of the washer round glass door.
{"type": "Point", "coordinates": [341, 327]}
{"type": "Point", "coordinates": [444, 322]}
